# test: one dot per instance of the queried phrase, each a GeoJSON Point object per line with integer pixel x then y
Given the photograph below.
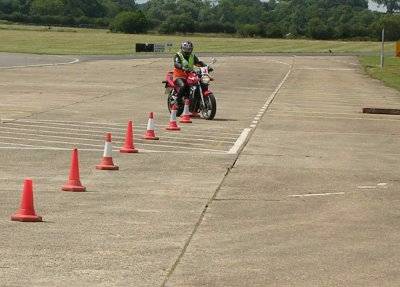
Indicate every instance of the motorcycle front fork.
{"type": "Point", "coordinates": [201, 94]}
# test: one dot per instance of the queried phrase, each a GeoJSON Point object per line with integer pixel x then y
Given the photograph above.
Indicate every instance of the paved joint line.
{"type": "Point", "coordinates": [198, 223]}
{"type": "Point", "coordinates": [240, 147]}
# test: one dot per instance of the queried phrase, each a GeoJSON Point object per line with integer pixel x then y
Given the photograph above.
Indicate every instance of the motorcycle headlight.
{"type": "Point", "coordinates": [205, 79]}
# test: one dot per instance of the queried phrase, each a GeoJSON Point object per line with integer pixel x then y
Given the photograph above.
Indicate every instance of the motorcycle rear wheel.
{"type": "Point", "coordinates": [210, 109]}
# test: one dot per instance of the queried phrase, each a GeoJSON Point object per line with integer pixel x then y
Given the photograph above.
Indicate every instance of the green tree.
{"type": "Point", "coordinates": [248, 30]}
{"type": "Point", "coordinates": [391, 23]}
{"type": "Point", "coordinates": [130, 22]}
{"type": "Point", "coordinates": [88, 8]}
{"type": "Point", "coordinates": [111, 8]}
{"type": "Point", "coordinates": [178, 23]}
{"type": "Point", "coordinates": [9, 6]}
{"type": "Point", "coordinates": [319, 30]}
{"type": "Point", "coordinates": [46, 7]}
{"type": "Point", "coordinates": [126, 4]}
{"type": "Point", "coordinates": [273, 31]}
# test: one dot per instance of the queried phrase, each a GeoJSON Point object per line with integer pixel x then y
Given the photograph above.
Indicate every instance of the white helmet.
{"type": "Point", "coordinates": [187, 47]}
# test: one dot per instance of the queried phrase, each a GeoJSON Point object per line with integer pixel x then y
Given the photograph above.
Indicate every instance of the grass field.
{"type": "Point", "coordinates": [390, 74]}
{"type": "Point", "coordinates": [74, 41]}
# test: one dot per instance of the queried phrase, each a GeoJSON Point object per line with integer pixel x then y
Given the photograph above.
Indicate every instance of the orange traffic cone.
{"type": "Point", "coordinates": [26, 212]}
{"type": "Point", "coordinates": [150, 134]}
{"type": "Point", "coordinates": [107, 160]}
{"type": "Point", "coordinates": [129, 146]}
{"type": "Point", "coordinates": [185, 119]}
{"type": "Point", "coordinates": [172, 122]}
{"type": "Point", "coordinates": [74, 182]}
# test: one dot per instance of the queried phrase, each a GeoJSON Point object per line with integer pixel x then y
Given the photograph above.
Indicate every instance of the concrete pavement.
{"type": "Point", "coordinates": [311, 200]}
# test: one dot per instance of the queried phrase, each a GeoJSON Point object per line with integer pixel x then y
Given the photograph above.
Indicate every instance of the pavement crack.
{"type": "Point", "coordinates": [82, 101]}
{"type": "Point", "coordinates": [68, 105]}
{"type": "Point", "coordinates": [60, 107]}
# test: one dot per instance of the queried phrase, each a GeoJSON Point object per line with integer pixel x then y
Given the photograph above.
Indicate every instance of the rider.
{"type": "Point", "coordinates": [184, 62]}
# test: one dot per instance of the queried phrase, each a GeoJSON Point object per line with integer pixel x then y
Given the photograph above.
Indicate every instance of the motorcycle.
{"type": "Point", "coordinates": [202, 100]}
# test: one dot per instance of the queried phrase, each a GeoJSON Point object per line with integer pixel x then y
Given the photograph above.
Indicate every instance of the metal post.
{"type": "Point", "coordinates": [383, 49]}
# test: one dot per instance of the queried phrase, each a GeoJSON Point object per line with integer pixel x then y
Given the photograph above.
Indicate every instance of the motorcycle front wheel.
{"type": "Point", "coordinates": [208, 110]}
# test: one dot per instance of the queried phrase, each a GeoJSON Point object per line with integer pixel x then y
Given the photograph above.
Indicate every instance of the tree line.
{"type": "Point", "coordinates": [316, 19]}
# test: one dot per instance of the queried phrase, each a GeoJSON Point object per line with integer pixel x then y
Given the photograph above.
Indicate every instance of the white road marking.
{"type": "Point", "coordinates": [94, 145]}
{"type": "Point", "coordinates": [347, 63]}
{"type": "Point", "coordinates": [122, 126]}
{"type": "Point", "coordinates": [326, 69]}
{"type": "Point", "coordinates": [48, 141]}
{"type": "Point", "coordinates": [148, 210]}
{"type": "Point", "coordinates": [75, 60]}
{"type": "Point", "coordinates": [379, 185]}
{"type": "Point", "coordinates": [310, 115]}
{"type": "Point", "coordinates": [24, 145]}
{"type": "Point", "coordinates": [280, 62]}
{"type": "Point", "coordinates": [2, 121]}
{"type": "Point", "coordinates": [246, 132]}
{"type": "Point", "coordinates": [240, 141]}
{"type": "Point", "coordinates": [250, 88]}
{"type": "Point", "coordinates": [367, 186]}
{"type": "Point", "coordinates": [60, 126]}
{"type": "Point", "coordinates": [317, 194]}
{"type": "Point", "coordinates": [40, 148]}
{"type": "Point", "coordinates": [119, 132]}
{"type": "Point", "coordinates": [96, 139]}
{"type": "Point", "coordinates": [100, 150]}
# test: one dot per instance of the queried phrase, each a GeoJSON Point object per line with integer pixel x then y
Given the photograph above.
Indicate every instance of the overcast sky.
{"type": "Point", "coordinates": [372, 5]}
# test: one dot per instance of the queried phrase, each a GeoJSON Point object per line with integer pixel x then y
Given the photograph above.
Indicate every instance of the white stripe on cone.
{"type": "Point", "coordinates": [173, 115]}
{"type": "Point", "coordinates": [186, 109]}
{"type": "Point", "coordinates": [185, 118]}
{"type": "Point", "coordinates": [150, 124]}
{"type": "Point", "coordinates": [107, 149]}
{"type": "Point", "coordinates": [150, 133]}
